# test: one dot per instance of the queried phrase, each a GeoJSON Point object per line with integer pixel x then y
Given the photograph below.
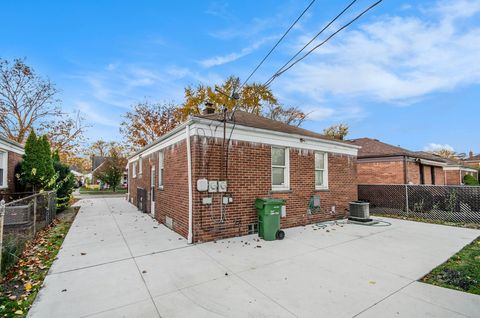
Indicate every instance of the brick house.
{"type": "Point", "coordinates": [190, 180]}
{"type": "Point", "coordinates": [472, 161]}
{"type": "Point", "coordinates": [10, 155]}
{"type": "Point", "coordinates": [381, 163]}
{"type": "Point", "coordinates": [456, 170]}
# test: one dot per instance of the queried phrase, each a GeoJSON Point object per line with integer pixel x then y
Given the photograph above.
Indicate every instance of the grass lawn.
{"type": "Point", "coordinates": [460, 272]}
{"type": "Point", "coordinates": [22, 282]}
{"type": "Point", "coordinates": [98, 191]}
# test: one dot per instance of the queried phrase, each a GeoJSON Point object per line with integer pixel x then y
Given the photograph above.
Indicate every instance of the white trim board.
{"type": "Point", "coordinates": [10, 147]}
{"type": "Point", "coordinates": [269, 137]}
{"type": "Point", "coordinates": [454, 168]}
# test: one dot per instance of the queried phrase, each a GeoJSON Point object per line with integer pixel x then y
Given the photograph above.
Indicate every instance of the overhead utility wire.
{"type": "Point", "coordinates": [276, 44]}
{"type": "Point", "coordinates": [322, 43]}
{"type": "Point", "coordinates": [313, 39]}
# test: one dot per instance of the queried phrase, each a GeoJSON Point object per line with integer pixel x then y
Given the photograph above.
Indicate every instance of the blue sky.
{"type": "Point", "coordinates": [407, 73]}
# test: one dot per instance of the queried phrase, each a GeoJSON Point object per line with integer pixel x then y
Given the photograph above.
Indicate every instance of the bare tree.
{"type": "Point", "coordinates": [66, 135]}
{"type": "Point", "coordinates": [98, 148]}
{"type": "Point", "coordinates": [291, 116]}
{"type": "Point", "coordinates": [148, 121]}
{"type": "Point", "coordinates": [103, 148]}
{"type": "Point", "coordinates": [26, 99]}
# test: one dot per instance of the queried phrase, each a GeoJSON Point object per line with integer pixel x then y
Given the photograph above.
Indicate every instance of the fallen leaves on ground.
{"type": "Point", "coordinates": [22, 282]}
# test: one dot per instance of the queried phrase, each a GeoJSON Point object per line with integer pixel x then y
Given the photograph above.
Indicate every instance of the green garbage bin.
{"type": "Point", "coordinates": [269, 211]}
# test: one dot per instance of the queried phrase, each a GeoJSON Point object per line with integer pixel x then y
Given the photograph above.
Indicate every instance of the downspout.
{"type": "Point", "coordinates": [405, 171]}
{"type": "Point", "coordinates": [190, 192]}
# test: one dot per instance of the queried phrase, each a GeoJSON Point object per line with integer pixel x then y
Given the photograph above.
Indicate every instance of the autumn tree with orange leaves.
{"type": "Point", "coordinates": [253, 98]}
{"type": "Point", "coordinates": [148, 121]}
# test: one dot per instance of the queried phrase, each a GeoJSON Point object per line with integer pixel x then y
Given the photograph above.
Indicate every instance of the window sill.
{"type": "Point", "coordinates": [160, 188]}
{"type": "Point", "coordinates": [281, 191]}
{"type": "Point", "coordinates": [322, 189]}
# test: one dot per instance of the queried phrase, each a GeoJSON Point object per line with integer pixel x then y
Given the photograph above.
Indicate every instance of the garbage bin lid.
{"type": "Point", "coordinates": [270, 201]}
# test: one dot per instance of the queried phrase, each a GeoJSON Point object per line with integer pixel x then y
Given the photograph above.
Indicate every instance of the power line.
{"type": "Point", "coordinates": [313, 39]}
{"type": "Point", "coordinates": [276, 44]}
{"type": "Point", "coordinates": [322, 43]}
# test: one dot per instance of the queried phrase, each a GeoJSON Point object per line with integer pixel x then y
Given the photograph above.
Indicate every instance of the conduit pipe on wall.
{"type": "Point", "coordinates": [190, 192]}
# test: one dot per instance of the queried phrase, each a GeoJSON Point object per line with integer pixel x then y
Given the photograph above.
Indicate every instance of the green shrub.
{"type": "Point", "coordinates": [470, 180]}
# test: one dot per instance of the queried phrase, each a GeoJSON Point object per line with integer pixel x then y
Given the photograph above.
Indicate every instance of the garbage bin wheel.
{"type": "Point", "coordinates": [280, 235]}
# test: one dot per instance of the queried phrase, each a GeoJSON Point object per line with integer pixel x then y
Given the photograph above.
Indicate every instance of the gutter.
{"type": "Point", "coordinates": [190, 192]}
{"type": "Point", "coordinates": [279, 133]}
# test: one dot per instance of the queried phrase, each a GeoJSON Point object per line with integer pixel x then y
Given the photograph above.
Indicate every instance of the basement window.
{"type": "Point", "coordinates": [160, 169]}
{"type": "Point", "coordinates": [321, 171]}
{"type": "Point", "coordinates": [280, 171]}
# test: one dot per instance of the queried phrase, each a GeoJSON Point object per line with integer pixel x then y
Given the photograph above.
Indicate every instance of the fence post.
{"type": "Point", "coordinates": [406, 199]}
{"type": "Point", "coordinates": [2, 216]}
{"type": "Point", "coordinates": [34, 215]}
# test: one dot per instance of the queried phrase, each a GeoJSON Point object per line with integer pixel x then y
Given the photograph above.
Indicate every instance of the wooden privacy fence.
{"type": "Point", "coordinates": [447, 203]}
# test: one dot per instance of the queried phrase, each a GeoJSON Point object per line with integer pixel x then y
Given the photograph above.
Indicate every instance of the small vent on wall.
{"type": "Point", "coordinates": [252, 228]}
{"type": "Point", "coordinates": [169, 222]}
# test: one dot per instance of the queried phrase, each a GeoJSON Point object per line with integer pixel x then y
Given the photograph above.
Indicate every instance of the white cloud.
{"type": "Point", "coordinates": [93, 116]}
{"type": "Point", "coordinates": [432, 147]}
{"type": "Point", "coordinates": [338, 114]}
{"type": "Point", "coordinates": [396, 59]}
{"type": "Point", "coordinates": [231, 57]}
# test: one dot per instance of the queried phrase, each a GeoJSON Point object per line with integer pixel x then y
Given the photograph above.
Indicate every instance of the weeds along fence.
{"type": "Point", "coordinates": [21, 219]}
{"type": "Point", "coordinates": [435, 202]}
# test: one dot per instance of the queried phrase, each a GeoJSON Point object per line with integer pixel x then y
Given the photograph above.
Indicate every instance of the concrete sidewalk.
{"type": "Point", "coordinates": [117, 262]}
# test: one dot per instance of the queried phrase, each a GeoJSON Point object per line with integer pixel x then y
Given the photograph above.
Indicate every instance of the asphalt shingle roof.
{"type": "Point", "coordinates": [372, 148]}
{"type": "Point", "coordinates": [251, 120]}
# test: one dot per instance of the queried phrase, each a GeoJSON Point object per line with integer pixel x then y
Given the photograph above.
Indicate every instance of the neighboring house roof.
{"type": "Point", "coordinates": [373, 148]}
{"type": "Point", "coordinates": [473, 158]}
{"type": "Point", "coordinates": [97, 161]}
{"type": "Point", "coordinates": [11, 145]}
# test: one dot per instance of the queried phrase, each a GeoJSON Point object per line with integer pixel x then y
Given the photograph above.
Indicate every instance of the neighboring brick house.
{"type": "Point", "coordinates": [265, 158]}
{"type": "Point", "coordinates": [381, 163]}
{"type": "Point", "coordinates": [10, 155]}
{"type": "Point", "coordinates": [472, 161]}
{"type": "Point", "coordinates": [456, 170]}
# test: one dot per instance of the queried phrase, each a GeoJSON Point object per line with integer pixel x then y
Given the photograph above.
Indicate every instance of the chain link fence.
{"type": "Point", "coordinates": [21, 219]}
{"type": "Point", "coordinates": [446, 203]}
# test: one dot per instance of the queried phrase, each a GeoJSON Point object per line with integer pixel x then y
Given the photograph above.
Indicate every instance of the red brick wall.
{"type": "Point", "coordinates": [453, 177]}
{"type": "Point", "coordinates": [13, 159]}
{"type": "Point", "coordinates": [392, 172]}
{"type": "Point", "coordinates": [427, 173]}
{"type": "Point", "coordinates": [439, 176]}
{"type": "Point", "coordinates": [413, 173]}
{"type": "Point", "coordinates": [172, 200]}
{"type": "Point", "coordinates": [383, 172]}
{"type": "Point", "coordinates": [250, 178]}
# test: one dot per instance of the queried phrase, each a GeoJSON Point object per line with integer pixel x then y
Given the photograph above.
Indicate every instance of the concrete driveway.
{"type": "Point", "coordinates": [117, 262]}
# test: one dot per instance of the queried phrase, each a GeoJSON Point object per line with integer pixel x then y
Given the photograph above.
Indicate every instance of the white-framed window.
{"type": "Point", "coordinates": [3, 169]}
{"type": "Point", "coordinates": [280, 169]}
{"type": "Point", "coordinates": [160, 169]}
{"type": "Point", "coordinates": [134, 169]}
{"type": "Point", "coordinates": [321, 170]}
{"type": "Point", "coordinates": [140, 164]}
